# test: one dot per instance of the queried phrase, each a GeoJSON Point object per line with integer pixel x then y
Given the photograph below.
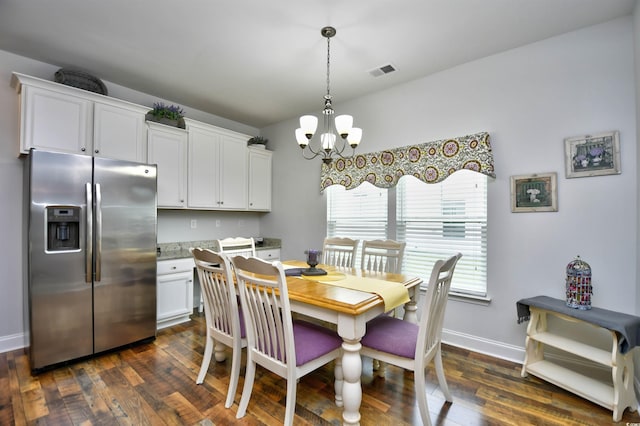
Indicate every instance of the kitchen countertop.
{"type": "Point", "coordinates": [180, 250]}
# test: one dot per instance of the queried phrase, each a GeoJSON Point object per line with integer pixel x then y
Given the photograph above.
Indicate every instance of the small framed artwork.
{"type": "Point", "coordinates": [534, 193]}
{"type": "Point", "coordinates": [592, 155]}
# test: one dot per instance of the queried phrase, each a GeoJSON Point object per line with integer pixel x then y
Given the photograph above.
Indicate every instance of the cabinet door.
{"type": "Point", "coordinates": [259, 179]}
{"type": "Point", "coordinates": [233, 169]}
{"type": "Point", "coordinates": [204, 174]}
{"type": "Point", "coordinates": [55, 121]}
{"type": "Point", "coordinates": [167, 147]}
{"type": "Point", "coordinates": [270, 255]}
{"type": "Point", "coordinates": [119, 132]}
{"type": "Point", "coordinates": [175, 298]}
{"type": "Point", "coordinates": [217, 168]}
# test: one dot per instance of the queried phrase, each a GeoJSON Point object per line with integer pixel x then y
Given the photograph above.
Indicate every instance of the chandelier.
{"type": "Point", "coordinates": [329, 146]}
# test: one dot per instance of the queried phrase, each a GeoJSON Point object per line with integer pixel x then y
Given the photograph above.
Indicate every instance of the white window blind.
{"type": "Point", "coordinates": [439, 220]}
{"type": "Point", "coordinates": [359, 213]}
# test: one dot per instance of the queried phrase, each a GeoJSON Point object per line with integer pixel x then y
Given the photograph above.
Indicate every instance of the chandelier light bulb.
{"type": "Point", "coordinates": [328, 140]}
{"type": "Point", "coordinates": [309, 124]}
{"type": "Point", "coordinates": [303, 141]}
{"type": "Point", "coordinates": [355, 136]}
{"type": "Point", "coordinates": [344, 123]}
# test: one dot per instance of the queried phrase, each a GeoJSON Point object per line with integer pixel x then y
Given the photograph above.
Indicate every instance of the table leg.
{"type": "Point", "coordinates": [352, 387]}
{"type": "Point", "coordinates": [339, 383]}
{"type": "Point", "coordinates": [220, 353]}
{"type": "Point", "coordinates": [411, 310]}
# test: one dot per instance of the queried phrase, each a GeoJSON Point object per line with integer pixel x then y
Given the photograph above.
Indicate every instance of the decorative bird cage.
{"type": "Point", "coordinates": [578, 287]}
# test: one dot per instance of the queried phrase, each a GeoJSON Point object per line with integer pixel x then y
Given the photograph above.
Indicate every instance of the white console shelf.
{"type": "Point", "coordinates": [616, 394]}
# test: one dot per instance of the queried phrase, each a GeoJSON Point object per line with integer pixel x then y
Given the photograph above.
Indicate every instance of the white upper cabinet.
{"type": "Point", "coordinates": [259, 179]}
{"type": "Point", "coordinates": [167, 147]}
{"type": "Point", "coordinates": [217, 168]}
{"type": "Point", "coordinates": [55, 117]}
{"type": "Point", "coordinates": [203, 171]}
{"type": "Point", "coordinates": [203, 167]}
{"type": "Point", "coordinates": [119, 132]}
{"type": "Point", "coordinates": [233, 171]}
{"type": "Point", "coordinates": [54, 121]}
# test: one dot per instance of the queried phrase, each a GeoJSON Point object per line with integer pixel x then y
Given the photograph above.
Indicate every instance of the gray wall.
{"type": "Point", "coordinates": [529, 99]}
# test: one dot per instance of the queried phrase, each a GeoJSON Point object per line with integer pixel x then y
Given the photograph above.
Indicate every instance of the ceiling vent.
{"type": "Point", "coordinates": [384, 69]}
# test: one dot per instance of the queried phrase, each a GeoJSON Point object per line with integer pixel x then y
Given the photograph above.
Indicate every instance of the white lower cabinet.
{"type": "Point", "coordinates": [269, 254]}
{"type": "Point", "coordinates": [174, 291]}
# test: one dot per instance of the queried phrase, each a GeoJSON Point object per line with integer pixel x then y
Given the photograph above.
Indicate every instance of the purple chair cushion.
{"type": "Point", "coordinates": [312, 341]}
{"type": "Point", "coordinates": [391, 335]}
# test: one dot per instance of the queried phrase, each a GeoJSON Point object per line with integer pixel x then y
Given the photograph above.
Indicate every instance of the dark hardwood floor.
{"type": "Point", "coordinates": [154, 384]}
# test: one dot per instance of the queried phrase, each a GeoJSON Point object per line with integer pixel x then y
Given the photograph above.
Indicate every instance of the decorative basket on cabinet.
{"type": "Point", "coordinates": [171, 115]}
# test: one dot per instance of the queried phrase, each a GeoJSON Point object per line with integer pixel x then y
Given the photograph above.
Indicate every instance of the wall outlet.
{"type": "Point", "coordinates": [217, 223]}
{"type": "Point", "coordinates": [194, 224]}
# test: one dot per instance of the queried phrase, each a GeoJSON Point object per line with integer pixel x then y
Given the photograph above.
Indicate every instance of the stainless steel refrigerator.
{"type": "Point", "coordinates": [91, 255]}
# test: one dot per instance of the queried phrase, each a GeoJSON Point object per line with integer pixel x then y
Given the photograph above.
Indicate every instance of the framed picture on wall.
{"type": "Point", "coordinates": [592, 155]}
{"type": "Point", "coordinates": [534, 193]}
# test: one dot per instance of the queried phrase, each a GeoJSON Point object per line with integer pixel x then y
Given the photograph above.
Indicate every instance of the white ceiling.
{"type": "Point", "coordinates": [259, 62]}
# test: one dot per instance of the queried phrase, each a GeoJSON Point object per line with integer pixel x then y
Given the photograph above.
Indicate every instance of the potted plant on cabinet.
{"type": "Point", "coordinates": [258, 142]}
{"type": "Point", "coordinates": [171, 115]}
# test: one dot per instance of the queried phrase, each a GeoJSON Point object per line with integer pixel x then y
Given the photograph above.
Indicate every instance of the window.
{"type": "Point", "coordinates": [438, 220]}
{"type": "Point", "coordinates": [359, 213]}
{"type": "Point", "coordinates": [435, 220]}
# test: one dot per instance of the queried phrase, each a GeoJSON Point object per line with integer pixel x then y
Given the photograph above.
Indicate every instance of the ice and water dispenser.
{"type": "Point", "coordinates": [63, 228]}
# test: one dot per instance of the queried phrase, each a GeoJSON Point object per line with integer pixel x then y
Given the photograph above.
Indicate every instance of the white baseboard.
{"type": "Point", "coordinates": [484, 346]}
{"type": "Point", "coordinates": [13, 342]}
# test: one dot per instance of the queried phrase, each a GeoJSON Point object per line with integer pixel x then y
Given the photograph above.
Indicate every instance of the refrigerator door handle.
{"type": "Point", "coordinates": [89, 235]}
{"type": "Point", "coordinates": [98, 232]}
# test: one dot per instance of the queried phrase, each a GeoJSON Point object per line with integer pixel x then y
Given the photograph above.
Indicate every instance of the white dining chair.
{"type": "Point", "coordinates": [290, 349]}
{"type": "Point", "coordinates": [225, 326]}
{"type": "Point", "coordinates": [382, 256]}
{"type": "Point", "coordinates": [340, 252]}
{"type": "Point", "coordinates": [235, 246]}
{"type": "Point", "coordinates": [413, 346]}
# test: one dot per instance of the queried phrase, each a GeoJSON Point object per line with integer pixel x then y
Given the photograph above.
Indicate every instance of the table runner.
{"type": "Point", "coordinates": [393, 294]}
{"type": "Point", "coordinates": [626, 326]}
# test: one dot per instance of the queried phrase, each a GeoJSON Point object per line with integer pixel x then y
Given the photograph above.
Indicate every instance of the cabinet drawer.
{"type": "Point", "coordinates": [269, 254]}
{"type": "Point", "coordinates": [175, 265]}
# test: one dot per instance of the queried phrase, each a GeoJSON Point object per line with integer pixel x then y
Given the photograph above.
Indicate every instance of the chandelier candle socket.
{"type": "Point", "coordinates": [329, 145]}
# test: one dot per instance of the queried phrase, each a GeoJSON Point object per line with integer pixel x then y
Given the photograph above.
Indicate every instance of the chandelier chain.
{"type": "Point", "coordinates": [328, 66]}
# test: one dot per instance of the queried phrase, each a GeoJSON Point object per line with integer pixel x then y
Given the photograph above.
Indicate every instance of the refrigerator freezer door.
{"type": "Point", "coordinates": [60, 299]}
{"type": "Point", "coordinates": [125, 253]}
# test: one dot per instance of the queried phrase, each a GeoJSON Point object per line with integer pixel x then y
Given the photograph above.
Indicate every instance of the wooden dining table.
{"type": "Point", "coordinates": [349, 310]}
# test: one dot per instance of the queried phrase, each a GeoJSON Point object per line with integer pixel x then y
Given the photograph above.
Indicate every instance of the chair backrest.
{"type": "Point", "coordinates": [218, 293]}
{"type": "Point", "coordinates": [237, 246]}
{"type": "Point", "coordinates": [339, 252]}
{"type": "Point", "coordinates": [265, 304]}
{"type": "Point", "coordinates": [434, 305]}
{"type": "Point", "coordinates": [382, 256]}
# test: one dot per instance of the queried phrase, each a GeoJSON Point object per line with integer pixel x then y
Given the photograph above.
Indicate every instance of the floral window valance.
{"type": "Point", "coordinates": [431, 162]}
